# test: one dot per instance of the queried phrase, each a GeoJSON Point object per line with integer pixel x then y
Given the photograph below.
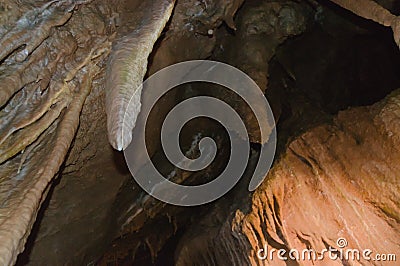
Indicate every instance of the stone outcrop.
{"type": "Point", "coordinates": [334, 181]}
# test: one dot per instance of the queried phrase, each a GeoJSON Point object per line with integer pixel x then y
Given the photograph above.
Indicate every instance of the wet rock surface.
{"type": "Point", "coordinates": [49, 62]}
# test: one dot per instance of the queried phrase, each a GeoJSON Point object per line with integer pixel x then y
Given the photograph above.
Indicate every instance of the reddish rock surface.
{"type": "Point", "coordinates": [334, 181]}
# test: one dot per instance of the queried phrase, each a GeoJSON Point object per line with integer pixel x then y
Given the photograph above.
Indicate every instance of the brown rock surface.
{"type": "Point", "coordinates": [53, 141]}
{"type": "Point", "coordinates": [334, 181]}
{"type": "Point", "coordinates": [81, 217]}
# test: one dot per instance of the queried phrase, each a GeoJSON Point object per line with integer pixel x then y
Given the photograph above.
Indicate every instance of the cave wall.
{"type": "Point", "coordinates": [94, 208]}
{"type": "Point", "coordinates": [334, 181]}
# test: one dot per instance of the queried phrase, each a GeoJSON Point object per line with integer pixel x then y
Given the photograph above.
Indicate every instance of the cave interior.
{"type": "Point", "coordinates": [323, 69]}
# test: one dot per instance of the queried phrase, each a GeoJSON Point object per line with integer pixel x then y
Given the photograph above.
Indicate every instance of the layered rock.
{"type": "Point", "coordinates": [334, 181]}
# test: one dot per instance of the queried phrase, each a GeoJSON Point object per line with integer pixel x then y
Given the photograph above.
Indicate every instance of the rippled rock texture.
{"type": "Point", "coordinates": [334, 181]}
{"type": "Point", "coordinates": [50, 57]}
